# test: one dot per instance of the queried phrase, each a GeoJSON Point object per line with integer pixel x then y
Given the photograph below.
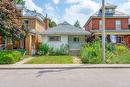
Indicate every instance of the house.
{"type": "Point", "coordinates": [67, 34]}
{"type": "Point", "coordinates": [116, 24]}
{"type": "Point", "coordinates": [35, 23]}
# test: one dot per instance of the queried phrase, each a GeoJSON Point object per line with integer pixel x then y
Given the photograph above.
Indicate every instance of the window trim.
{"type": "Point", "coordinates": [54, 40]}
{"type": "Point", "coordinates": [117, 25]}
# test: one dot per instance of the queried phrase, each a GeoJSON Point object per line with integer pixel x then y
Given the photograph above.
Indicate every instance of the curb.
{"type": "Point", "coordinates": [61, 66]}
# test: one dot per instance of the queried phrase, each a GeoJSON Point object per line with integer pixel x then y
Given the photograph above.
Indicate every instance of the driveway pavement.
{"type": "Point", "coordinates": [65, 78]}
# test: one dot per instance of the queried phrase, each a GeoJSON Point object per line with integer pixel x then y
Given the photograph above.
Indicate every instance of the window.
{"type": "Point", "coordinates": [118, 24]}
{"type": "Point", "coordinates": [108, 10]}
{"type": "Point", "coordinates": [100, 24]}
{"type": "Point", "coordinates": [76, 39]}
{"type": "Point", "coordinates": [26, 23]}
{"type": "Point", "coordinates": [120, 39]}
{"type": "Point", "coordinates": [54, 38]}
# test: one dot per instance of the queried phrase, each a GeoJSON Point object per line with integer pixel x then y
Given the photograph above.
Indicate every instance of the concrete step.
{"type": "Point", "coordinates": [74, 52]}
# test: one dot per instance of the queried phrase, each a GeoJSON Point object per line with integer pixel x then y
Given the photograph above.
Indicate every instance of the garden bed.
{"type": "Point", "coordinates": [91, 53]}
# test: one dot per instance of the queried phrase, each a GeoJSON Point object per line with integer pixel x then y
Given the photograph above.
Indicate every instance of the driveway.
{"type": "Point", "coordinates": [65, 78]}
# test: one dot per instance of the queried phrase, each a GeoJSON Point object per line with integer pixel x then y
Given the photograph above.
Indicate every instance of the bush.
{"type": "Point", "coordinates": [43, 49]}
{"type": "Point", "coordinates": [115, 54]}
{"type": "Point", "coordinates": [9, 56]}
{"type": "Point", "coordinates": [91, 53]}
{"type": "Point", "coordinates": [121, 49]}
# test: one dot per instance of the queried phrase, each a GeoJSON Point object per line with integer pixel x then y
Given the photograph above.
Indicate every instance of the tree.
{"type": "Point", "coordinates": [52, 23]}
{"type": "Point", "coordinates": [8, 22]}
{"type": "Point", "coordinates": [19, 1]}
{"type": "Point", "coordinates": [77, 24]}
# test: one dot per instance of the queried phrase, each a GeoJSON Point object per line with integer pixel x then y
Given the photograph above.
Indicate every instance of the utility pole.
{"type": "Point", "coordinates": [103, 31]}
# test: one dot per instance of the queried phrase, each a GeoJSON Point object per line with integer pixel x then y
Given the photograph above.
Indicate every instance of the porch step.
{"type": "Point", "coordinates": [74, 52]}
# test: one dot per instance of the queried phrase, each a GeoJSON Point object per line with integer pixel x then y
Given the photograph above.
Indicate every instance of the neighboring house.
{"type": "Point", "coordinates": [116, 25]}
{"type": "Point", "coordinates": [67, 34]}
{"type": "Point", "coordinates": [35, 23]}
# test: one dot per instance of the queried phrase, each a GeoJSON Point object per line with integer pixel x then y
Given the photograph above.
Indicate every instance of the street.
{"type": "Point", "coordinates": [65, 78]}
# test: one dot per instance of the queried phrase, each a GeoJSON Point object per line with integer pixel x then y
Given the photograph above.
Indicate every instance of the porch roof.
{"type": "Point", "coordinates": [111, 32]}
{"type": "Point", "coordinates": [67, 29]}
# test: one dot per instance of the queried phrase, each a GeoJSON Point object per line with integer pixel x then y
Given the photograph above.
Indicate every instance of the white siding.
{"type": "Point", "coordinates": [56, 44]}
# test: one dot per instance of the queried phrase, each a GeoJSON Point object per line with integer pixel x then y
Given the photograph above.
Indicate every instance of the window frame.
{"type": "Point", "coordinates": [100, 24]}
{"type": "Point", "coordinates": [55, 38]}
{"type": "Point", "coordinates": [118, 24]}
{"type": "Point", "coordinates": [26, 24]}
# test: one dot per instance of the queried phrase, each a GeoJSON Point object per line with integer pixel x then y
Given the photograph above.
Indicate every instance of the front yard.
{"type": "Point", "coordinates": [51, 60]}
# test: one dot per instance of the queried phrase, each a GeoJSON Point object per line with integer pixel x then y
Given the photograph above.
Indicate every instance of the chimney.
{"type": "Point", "coordinates": [46, 22]}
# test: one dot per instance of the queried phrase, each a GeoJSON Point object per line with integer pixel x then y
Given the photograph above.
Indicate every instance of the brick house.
{"type": "Point", "coordinates": [36, 24]}
{"type": "Point", "coordinates": [117, 30]}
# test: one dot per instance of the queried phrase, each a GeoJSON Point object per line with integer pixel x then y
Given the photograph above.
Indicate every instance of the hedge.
{"type": "Point", "coordinates": [10, 56]}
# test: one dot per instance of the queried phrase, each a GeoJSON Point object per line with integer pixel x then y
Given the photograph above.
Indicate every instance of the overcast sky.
{"type": "Point", "coordinates": [72, 10]}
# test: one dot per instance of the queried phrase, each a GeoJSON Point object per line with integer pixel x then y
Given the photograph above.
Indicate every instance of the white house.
{"type": "Point", "coordinates": [67, 34]}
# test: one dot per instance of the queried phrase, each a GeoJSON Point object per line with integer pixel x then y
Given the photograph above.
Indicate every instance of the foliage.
{"type": "Point", "coordinates": [8, 22]}
{"type": "Point", "coordinates": [91, 52]}
{"type": "Point", "coordinates": [51, 60]}
{"type": "Point", "coordinates": [9, 56]}
{"type": "Point", "coordinates": [120, 49]}
{"type": "Point", "coordinates": [19, 1]}
{"type": "Point", "coordinates": [63, 50]}
{"type": "Point", "coordinates": [110, 47]}
{"type": "Point", "coordinates": [77, 24]}
{"type": "Point", "coordinates": [7, 17]}
{"type": "Point", "coordinates": [52, 23]}
{"type": "Point", "coordinates": [43, 49]}
{"type": "Point", "coordinates": [115, 54]}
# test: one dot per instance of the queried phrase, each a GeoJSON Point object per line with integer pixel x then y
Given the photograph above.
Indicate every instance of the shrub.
{"type": "Point", "coordinates": [115, 54]}
{"type": "Point", "coordinates": [110, 47]}
{"type": "Point", "coordinates": [43, 49]}
{"type": "Point", "coordinates": [121, 49]}
{"type": "Point", "coordinates": [9, 56]}
{"type": "Point", "coordinates": [91, 53]}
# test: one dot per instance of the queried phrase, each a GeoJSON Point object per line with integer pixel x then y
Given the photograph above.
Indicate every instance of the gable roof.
{"type": "Point", "coordinates": [66, 29]}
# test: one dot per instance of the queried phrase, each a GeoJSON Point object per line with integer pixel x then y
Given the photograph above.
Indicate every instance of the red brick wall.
{"type": "Point", "coordinates": [110, 23]}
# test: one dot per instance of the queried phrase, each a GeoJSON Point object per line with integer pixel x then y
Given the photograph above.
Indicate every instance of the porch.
{"type": "Point", "coordinates": [75, 42]}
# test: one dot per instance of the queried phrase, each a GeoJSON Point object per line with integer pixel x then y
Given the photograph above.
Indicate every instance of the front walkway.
{"type": "Point", "coordinates": [23, 61]}
{"type": "Point", "coordinates": [76, 60]}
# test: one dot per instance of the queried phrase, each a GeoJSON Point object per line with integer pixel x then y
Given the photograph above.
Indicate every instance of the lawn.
{"type": "Point", "coordinates": [51, 60]}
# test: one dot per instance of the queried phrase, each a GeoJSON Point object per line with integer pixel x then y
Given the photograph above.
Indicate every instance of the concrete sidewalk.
{"type": "Point", "coordinates": [66, 66]}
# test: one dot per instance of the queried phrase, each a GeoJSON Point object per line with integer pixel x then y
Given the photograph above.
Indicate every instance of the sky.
{"type": "Point", "coordinates": [72, 10]}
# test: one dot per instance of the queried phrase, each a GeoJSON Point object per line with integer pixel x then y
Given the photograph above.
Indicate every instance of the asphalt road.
{"type": "Point", "coordinates": [65, 78]}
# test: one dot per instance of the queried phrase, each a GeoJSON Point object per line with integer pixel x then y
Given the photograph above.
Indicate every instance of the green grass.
{"type": "Point", "coordinates": [51, 60]}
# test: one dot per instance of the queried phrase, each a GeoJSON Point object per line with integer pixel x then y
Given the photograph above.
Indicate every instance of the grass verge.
{"type": "Point", "coordinates": [51, 60]}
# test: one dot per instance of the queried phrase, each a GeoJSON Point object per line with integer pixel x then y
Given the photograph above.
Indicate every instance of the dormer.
{"type": "Point", "coordinates": [109, 9]}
